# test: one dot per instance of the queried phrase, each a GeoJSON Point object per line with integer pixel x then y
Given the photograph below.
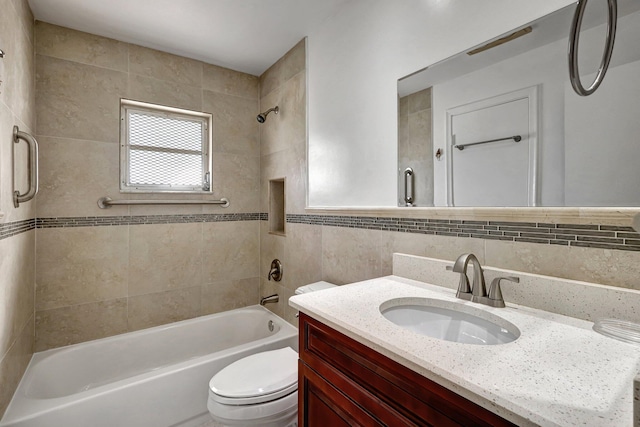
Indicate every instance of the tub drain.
{"type": "Point", "coordinates": [270, 325]}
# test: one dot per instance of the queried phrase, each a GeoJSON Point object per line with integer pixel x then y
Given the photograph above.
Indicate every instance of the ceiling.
{"type": "Point", "coordinates": [244, 35]}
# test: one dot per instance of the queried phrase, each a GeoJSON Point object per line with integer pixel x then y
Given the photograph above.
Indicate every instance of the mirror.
{"type": "Point", "coordinates": [500, 125]}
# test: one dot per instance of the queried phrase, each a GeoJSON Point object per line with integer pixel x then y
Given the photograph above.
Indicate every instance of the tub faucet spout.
{"type": "Point", "coordinates": [269, 299]}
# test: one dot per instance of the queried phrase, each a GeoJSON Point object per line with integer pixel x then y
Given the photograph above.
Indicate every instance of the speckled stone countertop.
{"type": "Point", "coordinates": [559, 372]}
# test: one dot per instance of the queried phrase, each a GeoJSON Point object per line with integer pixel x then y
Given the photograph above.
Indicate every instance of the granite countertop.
{"type": "Point", "coordinates": [559, 372]}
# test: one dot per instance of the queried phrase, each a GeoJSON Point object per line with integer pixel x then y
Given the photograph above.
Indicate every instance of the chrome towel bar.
{"type": "Point", "coordinates": [33, 167]}
{"type": "Point", "coordinates": [516, 138]}
{"type": "Point", "coordinates": [107, 202]}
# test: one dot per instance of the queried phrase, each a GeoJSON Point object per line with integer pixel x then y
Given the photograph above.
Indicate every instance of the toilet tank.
{"type": "Point", "coordinates": [312, 287]}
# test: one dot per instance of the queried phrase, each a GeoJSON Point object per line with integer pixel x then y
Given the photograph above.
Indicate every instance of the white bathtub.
{"type": "Point", "coordinates": [156, 377]}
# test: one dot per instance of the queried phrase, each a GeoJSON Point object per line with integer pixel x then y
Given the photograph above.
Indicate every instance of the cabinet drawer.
{"type": "Point", "coordinates": [393, 387]}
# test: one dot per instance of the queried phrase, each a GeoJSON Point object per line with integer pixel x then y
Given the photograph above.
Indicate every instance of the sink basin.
{"type": "Point", "coordinates": [449, 321]}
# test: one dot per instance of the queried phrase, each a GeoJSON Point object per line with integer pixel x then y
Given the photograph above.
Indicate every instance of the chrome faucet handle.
{"type": "Point", "coordinates": [276, 270]}
{"type": "Point", "coordinates": [495, 298]}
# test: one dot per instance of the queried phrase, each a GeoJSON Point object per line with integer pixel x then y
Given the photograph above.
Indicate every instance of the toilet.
{"type": "Point", "coordinates": [259, 390]}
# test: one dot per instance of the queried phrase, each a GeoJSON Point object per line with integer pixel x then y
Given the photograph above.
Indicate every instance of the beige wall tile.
{"type": "Point", "coordinates": [24, 16]}
{"type": "Point", "coordinates": [164, 66]}
{"type": "Point", "coordinates": [80, 265]}
{"type": "Point", "coordinates": [303, 255]}
{"type": "Point", "coordinates": [79, 105]}
{"type": "Point", "coordinates": [272, 246]}
{"type": "Point", "coordinates": [289, 65]}
{"type": "Point", "coordinates": [164, 209]}
{"type": "Point", "coordinates": [17, 89]}
{"type": "Point", "coordinates": [235, 128]}
{"type": "Point", "coordinates": [17, 260]}
{"type": "Point", "coordinates": [77, 46]}
{"type": "Point", "coordinates": [287, 129]}
{"type": "Point", "coordinates": [229, 294]}
{"type": "Point", "coordinates": [603, 266]}
{"type": "Point", "coordinates": [171, 94]}
{"type": "Point", "coordinates": [419, 101]}
{"type": "Point", "coordinates": [17, 253]}
{"type": "Point", "coordinates": [21, 90]}
{"type": "Point", "coordinates": [285, 164]}
{"type": "Point", "coordinates": [74, 174]}
{"type": "Point", "coordinates": [446, 247]}
{"type": "Point", "coordinates": [350, 254]}
{"type": "Point", "coordinates": [237, 178]}
{"type": "Point", "coordinates": [78, 101]}
{"type": "Point", "coordinates": [14, 363]}
{"type": "Point", "coordinates": [160, 308]}
{"type": "Point", "coordinates": [79, 323]}
{"type": "Point", "coordinates": [290, 313]}
{"type": "Point", "coordinates": [405, 243]}
{"type": "Point", "coordinates": [164, 257]}
{"type": "Point", "coordinates": [231, 250]}
{"type": "Point", "coordinates": [224, 80]}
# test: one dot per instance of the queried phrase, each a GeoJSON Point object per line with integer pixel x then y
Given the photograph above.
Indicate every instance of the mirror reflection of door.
{"type": "Point", "coordinates": [415, 148]}
{"type": "Point", "coordinates": [493, 151]}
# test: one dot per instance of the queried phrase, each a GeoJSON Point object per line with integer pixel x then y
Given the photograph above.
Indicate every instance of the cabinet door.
{"type": "Point", "coordinates": [385, 391]}
{"type": "Point", "coordinates": [322, 405]}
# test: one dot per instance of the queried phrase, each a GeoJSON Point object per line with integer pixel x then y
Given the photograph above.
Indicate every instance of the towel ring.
{"type": "Point", "coordinates": [574, 40]}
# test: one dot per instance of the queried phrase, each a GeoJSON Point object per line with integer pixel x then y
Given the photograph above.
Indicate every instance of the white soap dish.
{"type": "Point", "coordinates": [618, 329]}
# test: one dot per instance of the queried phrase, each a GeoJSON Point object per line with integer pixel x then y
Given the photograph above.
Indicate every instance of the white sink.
{"type": "Point", "coordinates": [449, 321]}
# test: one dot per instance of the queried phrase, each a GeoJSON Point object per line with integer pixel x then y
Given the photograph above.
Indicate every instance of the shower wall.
{"type": "Point", "coordinates": [283, 155]}
{"type": "Point", "coordinates": [17, 234]}
{"type": "Point", "coordinates": [104, 272]}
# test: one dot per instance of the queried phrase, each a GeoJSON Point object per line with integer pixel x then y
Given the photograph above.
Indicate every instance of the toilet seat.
{"type": "Point", "coordinates": [258, 378]}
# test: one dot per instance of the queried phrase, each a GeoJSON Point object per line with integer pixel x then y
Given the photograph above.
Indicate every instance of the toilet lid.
{"type": "Point", "coordinates": [256, 376]}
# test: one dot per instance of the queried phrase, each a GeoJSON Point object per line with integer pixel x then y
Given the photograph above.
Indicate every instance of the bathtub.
{"type": "Point", "coordinates": [157, 377]}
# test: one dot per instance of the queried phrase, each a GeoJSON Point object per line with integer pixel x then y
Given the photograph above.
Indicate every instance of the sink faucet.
{"type": "Point", "coordinates": [478, 290]}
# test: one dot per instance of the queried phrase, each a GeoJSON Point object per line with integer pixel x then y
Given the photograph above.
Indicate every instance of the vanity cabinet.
{"type": "Point", "coordinates": [344, 383]}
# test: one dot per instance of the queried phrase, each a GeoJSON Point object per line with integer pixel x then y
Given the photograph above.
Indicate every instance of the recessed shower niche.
{"type": "Point", "coordinates": [276, 206]}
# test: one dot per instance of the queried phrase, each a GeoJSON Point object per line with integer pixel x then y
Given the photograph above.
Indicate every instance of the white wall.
{"type": "Point", "coordinates": [602, 156]}
{"type": "Point", "coordinates": [355, 60]}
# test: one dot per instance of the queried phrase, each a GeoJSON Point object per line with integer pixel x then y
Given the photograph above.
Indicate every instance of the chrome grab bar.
{"type": "Point", "coordinates": [408, 176]}
{"type": "Point", "coordinates": [33, 167]}
{"type": "Point", "coordinates": [574, 40]}
{"type": "Point", "coordinates": [107, 202]}
{"type": "Point", "coordinates": [516, 138]}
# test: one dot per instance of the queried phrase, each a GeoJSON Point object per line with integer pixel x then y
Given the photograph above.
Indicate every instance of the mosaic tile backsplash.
{"type": "Point", "coordinates": [593, 236]}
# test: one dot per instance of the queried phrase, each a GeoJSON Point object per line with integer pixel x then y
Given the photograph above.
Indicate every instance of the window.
{"type": "Point", "coordinates": [164, 149]}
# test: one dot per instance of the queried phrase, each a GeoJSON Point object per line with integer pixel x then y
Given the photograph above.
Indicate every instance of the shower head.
{"type": "Point", "coordinates": [262, 117]}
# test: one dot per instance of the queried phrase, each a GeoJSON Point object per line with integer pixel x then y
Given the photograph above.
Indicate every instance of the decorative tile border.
{"type": "Point", "coordinates": [591, 236]}
{"type": "Point", "coordinates": [12, 228]}
{"type": "Point", "coordinates": [99, 221]}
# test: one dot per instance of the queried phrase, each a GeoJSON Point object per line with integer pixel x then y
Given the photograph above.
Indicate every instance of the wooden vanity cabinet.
{"type": "Point", "coordinates": [344, 383]}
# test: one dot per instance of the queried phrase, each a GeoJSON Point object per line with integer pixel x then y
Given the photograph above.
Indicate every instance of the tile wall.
{"type": "Point", "coordinates": [415, 149]}
{"type": "Point", "coordinates": [17, 234]}
{"type": "Point", "coordinates": [283, 141]}
{"type": "Point", "coordinates": [101, 272]}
